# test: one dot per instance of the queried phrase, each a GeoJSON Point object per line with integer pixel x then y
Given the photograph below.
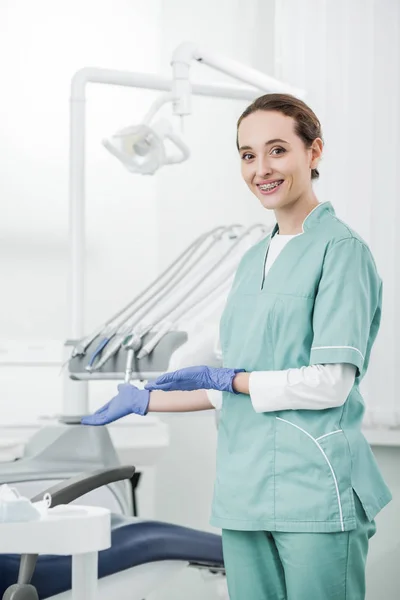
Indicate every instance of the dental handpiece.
{"type": "Point", "coordinates": [131, 343]}
{"type": "Point", "coordinates": [129, 362]}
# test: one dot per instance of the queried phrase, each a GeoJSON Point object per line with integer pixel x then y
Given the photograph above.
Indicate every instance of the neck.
{"type": "Point", "coordinates": [290, 218]}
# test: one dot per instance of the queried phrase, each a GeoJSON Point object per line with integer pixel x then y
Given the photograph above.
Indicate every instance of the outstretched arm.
{"type": "Point", "coordinates": [179, 401]}
{"type": "Point", "coordinates": [131, 399]}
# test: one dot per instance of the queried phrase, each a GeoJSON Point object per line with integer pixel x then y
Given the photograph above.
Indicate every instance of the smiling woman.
{"type": "Point", "coordinates": [297, 487]}
{"type": "Point", "coordinates": [301, 319]}
{"type": "Point", "coordinates": [280, 143]}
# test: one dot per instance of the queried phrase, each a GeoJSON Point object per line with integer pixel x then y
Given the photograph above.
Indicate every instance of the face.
{"type": "Point", "coordinates": [275, 163]}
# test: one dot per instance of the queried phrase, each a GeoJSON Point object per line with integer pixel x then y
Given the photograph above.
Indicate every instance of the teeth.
{"type": "Point", "coordinates": [270, 186]}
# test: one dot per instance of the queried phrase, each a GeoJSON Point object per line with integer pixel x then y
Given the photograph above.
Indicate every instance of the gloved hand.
{"type": "Point", "coordinates": [196, 378]}
{"type": "Point", "coordinates": [128, 400]}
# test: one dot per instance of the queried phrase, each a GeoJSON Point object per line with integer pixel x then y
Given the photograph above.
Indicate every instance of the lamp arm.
{"type": "Point", "coordinates": [187, 52]}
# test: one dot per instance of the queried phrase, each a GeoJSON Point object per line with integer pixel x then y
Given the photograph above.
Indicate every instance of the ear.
{"type": "Point", "coordinates": [316, 152]}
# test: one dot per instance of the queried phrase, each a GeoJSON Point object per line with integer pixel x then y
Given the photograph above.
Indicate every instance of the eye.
{"type": "Point", "coordinates": [278, 151]}
{"type": "Point", "coordinates": [247, 156]}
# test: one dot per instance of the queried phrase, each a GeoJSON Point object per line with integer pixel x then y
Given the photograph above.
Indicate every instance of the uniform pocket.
{"type": "Point", "coordinates": [316, 473]}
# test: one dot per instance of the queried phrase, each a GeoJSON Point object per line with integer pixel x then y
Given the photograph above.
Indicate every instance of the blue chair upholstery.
{"type": "Point", "coordinates": [133, 543]}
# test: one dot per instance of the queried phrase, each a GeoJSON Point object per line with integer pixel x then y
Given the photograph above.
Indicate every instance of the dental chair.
{"type": "Point", "coordinates": [143, 553]}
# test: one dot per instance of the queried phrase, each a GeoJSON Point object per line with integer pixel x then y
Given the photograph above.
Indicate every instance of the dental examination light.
{"type": "Point", "coordinates": [141, 149]}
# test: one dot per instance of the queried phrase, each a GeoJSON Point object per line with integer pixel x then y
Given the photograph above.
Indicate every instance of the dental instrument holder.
{"type": "Point", "coordinates": [129, 361]}
{"type": "Point", "coordinates": [131, 344]}
{"type": "Point", "coordinates": [116, 368]}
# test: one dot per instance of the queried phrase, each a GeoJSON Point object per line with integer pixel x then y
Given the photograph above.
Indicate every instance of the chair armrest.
{"type": "Point", "coordinates": [75, 487]}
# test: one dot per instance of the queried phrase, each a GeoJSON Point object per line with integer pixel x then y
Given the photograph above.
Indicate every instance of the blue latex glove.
{"type": "Point", "coordinates": [196, 378]}
{"type": "Point", "coordinates": [128, 400]}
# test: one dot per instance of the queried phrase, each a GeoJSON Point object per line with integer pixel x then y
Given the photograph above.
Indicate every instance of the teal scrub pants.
{"type": "Point", "coordinates": [275, 565]}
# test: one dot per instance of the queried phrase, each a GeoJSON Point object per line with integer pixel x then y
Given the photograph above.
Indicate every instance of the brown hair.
{"type": "Point", "coordinates": [307, 125]}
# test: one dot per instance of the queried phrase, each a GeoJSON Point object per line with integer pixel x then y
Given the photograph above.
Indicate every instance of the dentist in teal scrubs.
{"type": "Point", "coordinates": [297, 486]}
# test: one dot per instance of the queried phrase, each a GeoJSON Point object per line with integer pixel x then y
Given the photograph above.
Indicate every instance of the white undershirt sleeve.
{"type": "Point", "coordinates": [313, 387]}
{"type": "Point", "coordinates": [215, 397]}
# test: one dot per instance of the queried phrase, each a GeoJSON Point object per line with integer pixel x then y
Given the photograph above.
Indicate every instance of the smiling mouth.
{"type": "Point", "coordinates": [268, 188]}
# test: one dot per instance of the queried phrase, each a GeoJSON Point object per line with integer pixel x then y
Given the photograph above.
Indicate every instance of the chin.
{"type": "Point", "coordinates": [271, 202]}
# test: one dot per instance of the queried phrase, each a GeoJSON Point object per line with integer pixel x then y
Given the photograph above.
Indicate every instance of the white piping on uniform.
{"type": "Point", "coordinates": [326, 434]}
{"type": "Point", "coordinates": [329, 464]}
{"type": "Point", "coordinates": [310, 213]}
{"type": "Point", "coordinates": [345, 347]}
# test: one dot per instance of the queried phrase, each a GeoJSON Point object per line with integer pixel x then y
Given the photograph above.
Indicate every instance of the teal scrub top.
{"type": "Point", "coordinates": [320, 302]}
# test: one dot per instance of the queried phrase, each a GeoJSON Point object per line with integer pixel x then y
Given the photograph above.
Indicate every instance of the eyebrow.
{"type": "Point", "coordinates": [274, 141]}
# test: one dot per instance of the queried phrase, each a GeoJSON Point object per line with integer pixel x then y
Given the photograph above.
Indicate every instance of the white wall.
{"type": "Point", "coordinates": [45, 42]}
{"type": "Point", "coordinates": [346, 55]}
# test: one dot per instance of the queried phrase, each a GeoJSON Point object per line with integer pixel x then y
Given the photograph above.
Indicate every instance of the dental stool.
{"type": "Point", "coordinates": [142, 555]}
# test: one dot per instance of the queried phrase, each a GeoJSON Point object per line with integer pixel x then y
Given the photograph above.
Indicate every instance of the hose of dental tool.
{"type": "Point", "coordinates": [169, 287]}
{"type": "Point", "coordinates": [103, 343]}
{"type": "Point", "coordinates": [81, 347]}
{"type": "Point", "coordinates": [109, 332]}
{"type": "Point", "coordinates": [133, 320]}
{"type": "Point", "coordinates": [105, 329]}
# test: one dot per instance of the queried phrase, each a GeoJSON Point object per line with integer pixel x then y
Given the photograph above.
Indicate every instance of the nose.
{"type": "Point", "coordinates": [263, 166]}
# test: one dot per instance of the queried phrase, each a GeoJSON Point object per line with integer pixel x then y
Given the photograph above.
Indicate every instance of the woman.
{"type": "Point", "coordinates": [297, 486]}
